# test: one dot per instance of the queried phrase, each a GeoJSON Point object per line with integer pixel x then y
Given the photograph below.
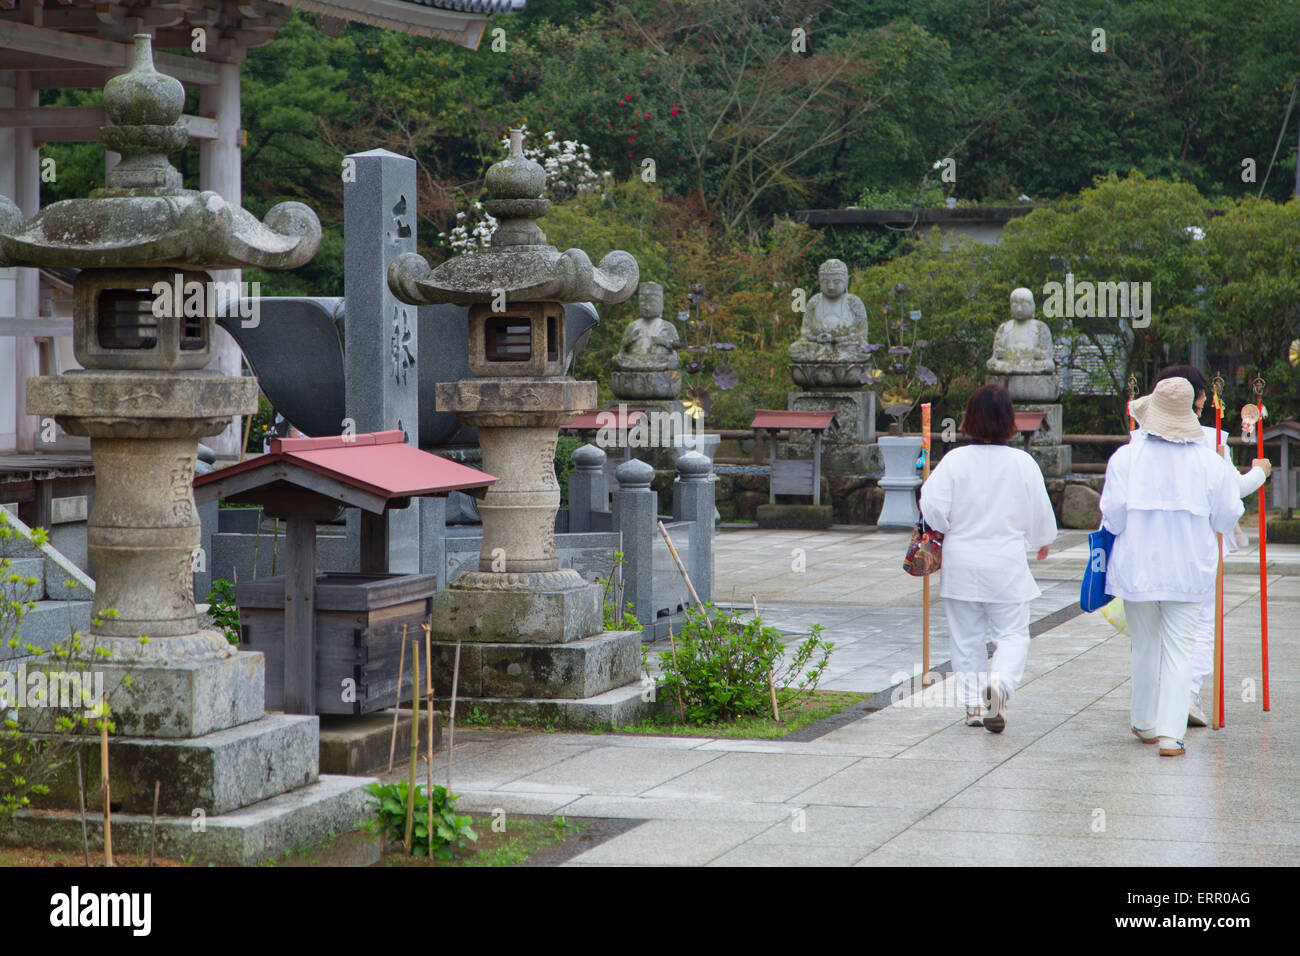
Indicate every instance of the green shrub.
{"type": "Point", "coordinates": [720, 670]}
{"type": "Point", "coordinates": [223, 610]}
{"type": "Point", "coordinates": [565, 446]}
{"type": "Point", "coordinates": [449, 831]}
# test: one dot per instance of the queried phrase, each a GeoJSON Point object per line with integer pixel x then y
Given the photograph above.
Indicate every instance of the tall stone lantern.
{"type": "Point", "coordinates": [143, 319]}
{"type": "Point", "coordinates": [518, 399]}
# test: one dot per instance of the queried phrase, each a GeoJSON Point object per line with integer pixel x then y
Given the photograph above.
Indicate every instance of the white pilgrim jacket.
{"type": "Point", "coordinates": [1163, 500]}
{"type": "Point", "coordinates": [991, 505]}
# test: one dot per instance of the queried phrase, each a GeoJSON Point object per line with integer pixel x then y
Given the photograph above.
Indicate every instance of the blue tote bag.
{"type": "Point", "coordinates": [1092, 594]}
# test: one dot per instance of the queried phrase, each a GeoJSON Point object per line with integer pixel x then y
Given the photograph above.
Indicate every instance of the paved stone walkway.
{"type": "Point", "coordinates": [1066, 784]}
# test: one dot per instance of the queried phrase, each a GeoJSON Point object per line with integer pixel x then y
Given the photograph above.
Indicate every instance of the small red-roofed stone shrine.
{"type": "Point", "coordinates": [332, 640]}
{"type": "Point", "coordinates": [794, 476]}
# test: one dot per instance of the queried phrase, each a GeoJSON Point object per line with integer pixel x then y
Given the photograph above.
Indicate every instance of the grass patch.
{"type": "Point", "coordinates": [522, 837]}
{"type": "Point", "coordinates": [817, 706]}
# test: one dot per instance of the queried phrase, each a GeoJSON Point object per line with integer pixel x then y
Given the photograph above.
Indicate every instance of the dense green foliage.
{"type": "Point", "coordinates": [723, 667]}
{"type": "Point", "coordinates": [1178, 108]}
{"type": "Point", "coordinates": [389, 806]}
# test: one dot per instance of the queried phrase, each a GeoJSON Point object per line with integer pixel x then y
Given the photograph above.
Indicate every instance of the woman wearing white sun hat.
{"type": "Point", "coordinates": [1251, 481]}
{"type": "Point", "coordinates": [1164, 494]}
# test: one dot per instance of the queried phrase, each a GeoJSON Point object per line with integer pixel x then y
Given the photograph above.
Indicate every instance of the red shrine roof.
{"type": "Point", "coordinates": [378, 463]}
{"type": "Point", "coordinates": [771, 418]}
{"type": "Point", "coordinates": [618, 419]}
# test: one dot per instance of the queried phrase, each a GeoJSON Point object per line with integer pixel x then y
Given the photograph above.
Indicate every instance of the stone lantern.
{"type": "Point", "coordinates": [144, 319]}
{"type": "Point", "coordinates": [518, 400]}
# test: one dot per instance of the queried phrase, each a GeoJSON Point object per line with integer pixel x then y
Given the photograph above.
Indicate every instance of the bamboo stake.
{"type": "Point", "coordinates": [415, 746]}
{"type": "Point", "coordinates": [107, 791]}
{"type": "Point", "coordinates": [81, 795]}
{"type": "Point", "coordinates": [428, 708]}
{"type": "Point", "coordinates": [682, 568]}
{"type": "Point", "coordinates": [153, 825]}
{"type": "Point", "coordinates": [248, 427]}
{"type": "Point", "coordinates": [771, 684]}
{"type": "Point", "coordinates": [397, 705]}
{"type": "Point", "coordinates": [451, 731]}
{"type": "Point", "coordinates": [681, 709]}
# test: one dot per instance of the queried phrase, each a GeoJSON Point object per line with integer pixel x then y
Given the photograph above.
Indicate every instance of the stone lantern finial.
{"type": "Point", "coordinates": [145, 108]}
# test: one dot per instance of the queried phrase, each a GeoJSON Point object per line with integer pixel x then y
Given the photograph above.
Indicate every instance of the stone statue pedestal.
{"type": "Point", "coordinates": [847, 449]}
{"type": "Point", "coordinates": [1028, 388]}
{"type": "Point", "coordinates": [1045, 446]}
{"type": "Point", "coordinates": [637, 387]}
{"type": "Point", "coordinates": [530, 631]}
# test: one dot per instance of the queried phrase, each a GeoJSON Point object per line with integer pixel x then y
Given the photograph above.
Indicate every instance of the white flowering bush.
{"type": "Point", "coordinates": [568, 173]}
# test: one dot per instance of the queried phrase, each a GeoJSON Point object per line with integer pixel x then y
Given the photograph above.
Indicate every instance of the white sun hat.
{"type": "Point", "coordinates": [1167, 411]}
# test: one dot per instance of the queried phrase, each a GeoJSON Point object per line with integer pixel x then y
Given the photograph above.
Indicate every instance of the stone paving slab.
{"type": "Point", "coordinates": [910, 784]}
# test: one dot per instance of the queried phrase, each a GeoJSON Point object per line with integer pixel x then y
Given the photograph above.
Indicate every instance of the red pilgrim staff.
{"type": "Point", "coordinates": [925, 594]}
{"type": "Point", "coordinates": [1217, 717]}
{"type": "Point", "coordinates": [1260, 414]}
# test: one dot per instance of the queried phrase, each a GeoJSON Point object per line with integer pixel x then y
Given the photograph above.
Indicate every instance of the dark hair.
{"type": "Point", "coordinates": [1189, 372]}
{"type": "Point", "coordinates": [989, 416]}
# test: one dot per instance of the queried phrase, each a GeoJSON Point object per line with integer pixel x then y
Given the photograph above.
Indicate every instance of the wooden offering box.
{"type": "Point", "coordinates": [358, 635]}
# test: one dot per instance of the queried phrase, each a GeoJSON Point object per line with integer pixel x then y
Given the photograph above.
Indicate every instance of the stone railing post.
{"type": "Point", "coordinates": [587, 492]}
{"type": "Point", "coordinates": [634, 513]}
{"type": "Point", "coordinates": [693, 502]}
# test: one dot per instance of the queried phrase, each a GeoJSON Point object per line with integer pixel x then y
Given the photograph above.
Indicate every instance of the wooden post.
{"type": "Point", "coordinates": [81, 794]}
{"type": "Point", "coordinates": [374, 543]}
{"type": "Point", "coordinates": [771, 475]}
{"type": "Point", "coordinates": [153, 824]}
{"type": "Point", "coordinates": [397, 704]}
{"type": "Point", "coordinates": [451, 729]}
{"type": "Point", "coordinates": [817, 468]}
{"type": "Point", "coordinates": [299, 617]}
{"type": "Point", "coordinates": [415, 745]}
{"type": "Point", "coordinates": [107, 791]}
{"type": "Point", "coordinates": [428, 701]}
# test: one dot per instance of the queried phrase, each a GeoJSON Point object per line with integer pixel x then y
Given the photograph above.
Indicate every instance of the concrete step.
{"type": "Point", "coordinates": [615, 708]}
{"type": "Point", "coordinates": [31, 583]}
{"type": "Point", "coordinates": [329, 808]}
{"type": "Point", "coordinates": [48, 624]}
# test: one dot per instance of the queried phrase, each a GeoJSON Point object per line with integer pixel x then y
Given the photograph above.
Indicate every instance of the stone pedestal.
{"type": "Point", "coordinates": [1028, 388]}
{"type": "Point", "coordinates": [637, 386]}
{"type": "Point", "coordinates": [1045, 446]}
{"type": "Point", "coordinates": [901, 480]}
{"type": "Point", "coordinates": [847, 448]}
{"type": "Point", "coordinates": [532, 631]}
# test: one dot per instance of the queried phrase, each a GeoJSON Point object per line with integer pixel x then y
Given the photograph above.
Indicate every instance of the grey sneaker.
{"type": "Point", "coordinates": [974, 717]}
{"type": "Point", "coordinates": [995, 705]}
{"type": "Point", "coordinates": [1196, 716]}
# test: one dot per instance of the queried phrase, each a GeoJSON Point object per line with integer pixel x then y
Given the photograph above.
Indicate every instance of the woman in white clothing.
{"type": "Point", "coordinates": [990, 502]}
{"type": "Point", "coordinates": [1203, 655]}
{"type": "Point", "coordinates": [1165, 494]}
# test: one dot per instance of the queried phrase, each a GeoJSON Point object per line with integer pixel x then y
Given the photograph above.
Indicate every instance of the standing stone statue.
{"type": "Point", "coordinates": [828, 353]}
{"type": "Point", "coordinates": [1022, 361]}
{"type": "Point", "coordinates": [648, 351]}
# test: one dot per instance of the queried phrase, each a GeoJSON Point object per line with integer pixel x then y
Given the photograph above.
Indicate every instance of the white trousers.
{"type": "Point", "coordinates": [1163, 636]}
{"type": "Point", "coordinates": [968, 623]}
{"type": "Point", "coordinates": [1203, 654]}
